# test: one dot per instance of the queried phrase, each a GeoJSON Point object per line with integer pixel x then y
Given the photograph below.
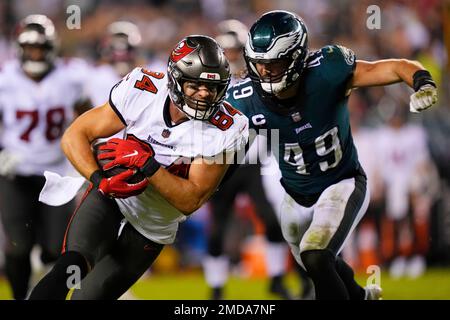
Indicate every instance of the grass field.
{"type": "Point", "coordinates": [434, 285]}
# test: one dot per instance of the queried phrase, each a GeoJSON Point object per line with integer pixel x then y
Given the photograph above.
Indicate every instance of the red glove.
{"type": "Point", "coordinates": [130, 153]}
{"type": "Point", "coordinates": [117, 186]}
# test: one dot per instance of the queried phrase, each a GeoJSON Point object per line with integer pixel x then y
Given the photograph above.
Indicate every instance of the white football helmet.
{"type": "Point", "coordinates": [38, 31]}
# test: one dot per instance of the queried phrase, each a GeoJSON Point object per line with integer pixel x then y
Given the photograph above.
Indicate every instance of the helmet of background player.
{"type": "Point", "coordinates": [201, 60]}
{"type": "Point", "coordinates": [277, 37]}
{"type": "Point", "coordinates": [232, 37]}
{"type": "Point", "coordinates": [120, 46]}
{"type": "Point", "coordinates": [37, 44]}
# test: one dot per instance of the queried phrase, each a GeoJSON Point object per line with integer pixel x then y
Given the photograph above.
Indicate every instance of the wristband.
{"type": "Point", "coordinates": [150, 167]}
{"type": "Point", "coordinates": [421, 78]}
{"type": "Point", "coordinates": [96, 178]}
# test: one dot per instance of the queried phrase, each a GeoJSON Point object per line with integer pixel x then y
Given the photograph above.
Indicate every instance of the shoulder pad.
{"type": "Point", "coordinates": [135, 91]}
{"type": "Point", "coordinates": [338, 52]}
{"type": "Point", "coordinates": [337, 64]}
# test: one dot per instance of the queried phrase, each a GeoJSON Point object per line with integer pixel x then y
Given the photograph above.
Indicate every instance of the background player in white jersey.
{"type": "Point", "coordinates": [121, 227]}
{"type": "Point", "coordinates": [231, 36]}
{"type": "Point", "coordinates": [38, 98]}
{"type": "Point", "coordinates": [117, 54]}
{"type": "Point", "coordinates": [411, 184]}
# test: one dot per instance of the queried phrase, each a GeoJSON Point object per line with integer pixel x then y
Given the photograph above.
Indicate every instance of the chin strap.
{"type": "Point", "coordinates": [195, 113]}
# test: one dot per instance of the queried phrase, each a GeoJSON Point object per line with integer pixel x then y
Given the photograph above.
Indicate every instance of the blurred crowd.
{"type": "Point", "coordinates": [406, 157]}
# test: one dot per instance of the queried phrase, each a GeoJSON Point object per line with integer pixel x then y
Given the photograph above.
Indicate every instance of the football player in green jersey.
{"type": "Point", "coordinates": [302, 95]}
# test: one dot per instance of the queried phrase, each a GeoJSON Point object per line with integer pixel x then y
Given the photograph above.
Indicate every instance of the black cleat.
{"type": "Point", "coordinates": [217, 293]}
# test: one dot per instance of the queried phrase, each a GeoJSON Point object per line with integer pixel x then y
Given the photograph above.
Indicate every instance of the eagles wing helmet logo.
{"type": "Point", "coordinates": [181, 51]}
{"type": "Point", "coordinates": [285, 42]}
{"type": "Point", "coordinates": [279, 46]}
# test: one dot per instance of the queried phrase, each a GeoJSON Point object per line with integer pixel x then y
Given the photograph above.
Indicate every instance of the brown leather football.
{"type": "Point", "coordinates": [137, 177]}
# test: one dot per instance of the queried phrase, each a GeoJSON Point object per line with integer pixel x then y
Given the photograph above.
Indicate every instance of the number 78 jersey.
{"type": "Point", "coordinates": [35, 115]}
{"type": "Point", "coordinates": [315, 147]}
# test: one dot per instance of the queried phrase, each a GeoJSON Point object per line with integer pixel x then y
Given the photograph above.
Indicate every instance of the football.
{"type": "Point", "coordinates": [137, 177]}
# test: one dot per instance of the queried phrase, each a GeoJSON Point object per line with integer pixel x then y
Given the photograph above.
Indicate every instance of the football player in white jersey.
{"type": "Point", "coordinates": [178, 133]}
{"type": "Point", "coordinates": [117, 55]}
{"type": "Point", "coordinates": [38, 97]}
{"type": "Point", "coordinates": [411, 183]}
{"type": "Point", "coordinates": [231, 36]}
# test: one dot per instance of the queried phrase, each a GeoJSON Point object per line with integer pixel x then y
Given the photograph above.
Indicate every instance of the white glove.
{"type": "Point", "coordinates": [423, 98]}
{"type": "Point", "coordinates": [8, 163]}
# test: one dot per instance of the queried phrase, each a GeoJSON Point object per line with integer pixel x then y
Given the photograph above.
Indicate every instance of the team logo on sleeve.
{"type": "Point", "coordinates": [348, 54]}
{"type": "Point", "coordinates": [181, 51]}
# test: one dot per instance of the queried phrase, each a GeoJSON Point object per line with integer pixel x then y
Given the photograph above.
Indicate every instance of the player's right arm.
{"type": "Point", "coordinates": [384, 72]}
{"type": "Point", "coordinates": [100, 122]}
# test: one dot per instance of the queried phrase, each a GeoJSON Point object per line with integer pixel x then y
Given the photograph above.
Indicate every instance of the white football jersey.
{"type": "Point", "coordinates": [141, 100]}
{"type": "Point", "coordinates": [400, 152]}
{"type": "Point", "coordinates": [35, 115]}
{"type": "Point", "coordinates": [364, 139]}
{"type": "Point", "coordinates": [99, 84]}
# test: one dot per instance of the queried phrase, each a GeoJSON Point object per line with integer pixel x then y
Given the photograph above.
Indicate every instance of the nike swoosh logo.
{"type": "Point", "coordinates": [135, 153]}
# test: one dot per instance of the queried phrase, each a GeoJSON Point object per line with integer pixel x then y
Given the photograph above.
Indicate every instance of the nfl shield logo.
{"type": "Point", "coordinates": [165, 133]}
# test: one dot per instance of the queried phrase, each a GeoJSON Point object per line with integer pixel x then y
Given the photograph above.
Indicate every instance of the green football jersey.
{"type": "Point", "coordinates": [315, 148]}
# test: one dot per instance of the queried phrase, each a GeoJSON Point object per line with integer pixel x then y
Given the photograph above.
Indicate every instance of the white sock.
{"type": "Point", "coordinates": [276, 258]}
{"type": "Point", "coordinates": [216, 270]}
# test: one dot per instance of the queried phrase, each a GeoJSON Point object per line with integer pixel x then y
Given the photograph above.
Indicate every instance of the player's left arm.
{"type": "Point", "coordinates": [389, 71]}
{"type": "Point", "coordinates": [187, 195]}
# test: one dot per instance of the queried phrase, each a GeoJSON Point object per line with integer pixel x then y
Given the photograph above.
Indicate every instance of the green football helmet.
{"type": "Point", "coordinates": [277, 36]}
